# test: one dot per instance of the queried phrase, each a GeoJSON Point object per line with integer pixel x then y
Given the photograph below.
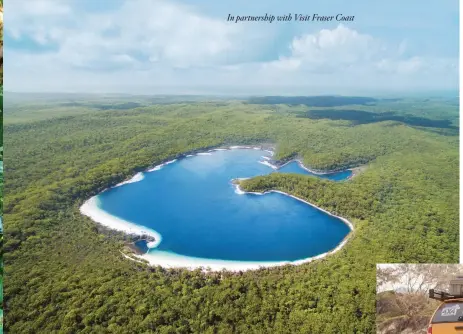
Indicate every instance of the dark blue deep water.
{"type": "Point", "coordinates": [195, 208]}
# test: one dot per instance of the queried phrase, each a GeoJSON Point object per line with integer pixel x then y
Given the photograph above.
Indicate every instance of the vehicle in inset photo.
{"type": "Point", "coordinates": [419, 298]}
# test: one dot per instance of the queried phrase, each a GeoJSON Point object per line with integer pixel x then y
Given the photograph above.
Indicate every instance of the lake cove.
{"type": "Point", "coordinates": [199, 218]}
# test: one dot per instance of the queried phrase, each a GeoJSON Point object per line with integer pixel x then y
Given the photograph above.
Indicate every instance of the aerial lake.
{"type": "Point", "coordinates": [200, 218]}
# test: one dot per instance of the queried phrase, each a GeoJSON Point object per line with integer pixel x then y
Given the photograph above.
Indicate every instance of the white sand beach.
{"type": "Point", "coordinates": [158, 167]}
{"type": "Point", "coordinates": [137, 177]}
{"type": "Point", "coordinates": [171, 260]}
{"type": "Point", "coordinates": [266, 163]}
{"type": "Point", "coordinates": [301, 164]}
{"type": "Point", "coordinates": [92, 210]}
{"type": "Point", "coordinates": [347, 222]}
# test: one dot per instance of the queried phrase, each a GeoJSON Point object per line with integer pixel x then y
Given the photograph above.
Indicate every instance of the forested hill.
{"type": "Point", "coordinates": [64, 276]}
{"type": "Point", "coordinates": [313, 101]}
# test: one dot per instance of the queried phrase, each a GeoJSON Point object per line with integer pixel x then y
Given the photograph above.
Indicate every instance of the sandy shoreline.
{"type": "Point", "coordinates": [313, 171]}
{"type": "Point", "coordinates": [137, 177]}
{"type": "Point", "coordinates": [171, 260]}
{"type": "Point", "coordinates": [266, 163]}
{"type": "Point", "coordinates": [239, 190]}
{"type": "Point", "coordinates": [91, 209]}
{"type": "Point", "coordinates": [276, 165]}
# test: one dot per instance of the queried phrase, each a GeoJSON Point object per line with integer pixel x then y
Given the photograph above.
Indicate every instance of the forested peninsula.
{"type": "Point", "coordinates": [64, 274]}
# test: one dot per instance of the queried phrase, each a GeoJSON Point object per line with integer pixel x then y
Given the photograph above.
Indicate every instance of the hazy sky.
{"type": "Point", "coordinates": [150, 46]}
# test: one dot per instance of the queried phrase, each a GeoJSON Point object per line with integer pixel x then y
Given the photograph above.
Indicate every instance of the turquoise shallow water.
{"type": "Point", "coordinates": [195, 208]}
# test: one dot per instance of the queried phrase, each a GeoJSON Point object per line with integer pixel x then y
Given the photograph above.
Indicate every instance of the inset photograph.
{"type": "Point", "coordinates": [419, 298]}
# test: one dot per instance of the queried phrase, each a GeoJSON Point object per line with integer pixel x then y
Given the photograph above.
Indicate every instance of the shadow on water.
{"type": "Point", "coordinates": [141, 245]}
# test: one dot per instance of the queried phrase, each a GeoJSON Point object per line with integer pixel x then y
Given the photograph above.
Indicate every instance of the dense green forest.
{"type": "Point", "coordinates": [64, 275]}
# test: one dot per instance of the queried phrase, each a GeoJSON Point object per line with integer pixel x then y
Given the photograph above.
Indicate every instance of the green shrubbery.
{"type": "Point", "coordinates": [63, 276]}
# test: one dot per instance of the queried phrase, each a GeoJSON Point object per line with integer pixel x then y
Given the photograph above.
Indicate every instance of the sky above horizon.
{"type": "Point", "coordinates": [188, 47]}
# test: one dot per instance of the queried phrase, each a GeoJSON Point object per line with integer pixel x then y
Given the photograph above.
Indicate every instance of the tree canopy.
{"type": "Point", "coordinates": [64, 276]}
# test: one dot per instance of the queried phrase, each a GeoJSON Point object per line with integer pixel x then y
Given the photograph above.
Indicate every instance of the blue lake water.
{"type": "Point", "coordinates": [293, 167]}
{"type": "Point", "coordinates": [195, 208]}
